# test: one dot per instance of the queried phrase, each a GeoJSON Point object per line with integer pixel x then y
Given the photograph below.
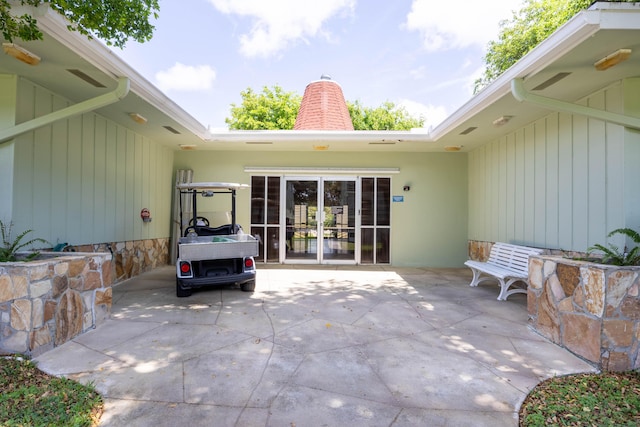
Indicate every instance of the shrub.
{"type": "Point", "coordinates": [9, 249]}
{"type": "Point", "coordinates": [613, 255]}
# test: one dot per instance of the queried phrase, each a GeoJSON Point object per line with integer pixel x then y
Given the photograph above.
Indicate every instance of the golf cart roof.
{"type": "Point", "coordinates": [211, 186]}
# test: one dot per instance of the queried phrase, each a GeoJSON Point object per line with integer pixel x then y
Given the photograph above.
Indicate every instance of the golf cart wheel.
{"type": "Point", "coordinates": [180, 291]}
{"type": "Point", "coordinates": [249, 286]}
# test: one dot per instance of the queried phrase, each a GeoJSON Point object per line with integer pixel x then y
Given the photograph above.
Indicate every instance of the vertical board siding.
{"type": "Point", "coordinates": [85, 179]}
{"type": "Point", "coordinates": [540, 180]}
{"type": "Point", "coordinates": [597, 170]}
{"type": "Point", "coordinates": [552, 211]}
{"type": "Point", "coordinates": [555, 183]}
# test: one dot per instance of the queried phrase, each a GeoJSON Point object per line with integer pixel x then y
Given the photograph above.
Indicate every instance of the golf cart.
{"type": "Point", "coordinates": [212, 255]}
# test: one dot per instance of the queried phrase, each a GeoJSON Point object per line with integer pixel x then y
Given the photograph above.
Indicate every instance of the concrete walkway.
{"type": "Point", "coordinates": [314, 346]}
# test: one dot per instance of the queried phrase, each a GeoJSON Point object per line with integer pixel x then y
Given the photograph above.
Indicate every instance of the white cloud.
{"type": "Point", "coordinates": [278, 24]}
{"type": "Point", "coordinates": [186, 78]}
{"type": "Point", "coordinates": [431, 114]}
{"type": "Point", "coordinates": [445, 25]}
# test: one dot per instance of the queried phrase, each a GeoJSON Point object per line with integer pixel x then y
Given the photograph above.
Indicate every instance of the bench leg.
{"type": "Point", "coordinates": [504, 288]}
{"type": "Point", "coordinates": [478, 278]}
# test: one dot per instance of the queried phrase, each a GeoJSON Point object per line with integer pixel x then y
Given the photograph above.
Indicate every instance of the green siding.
{"type": "Point", "coordinates": [8, 95]}
{"type": "Point", "coordinates": [428, 229]}
{"type": "Point", "coordinates": [558, 182]}
{"type": "Point", "coordinates": [84, 180]}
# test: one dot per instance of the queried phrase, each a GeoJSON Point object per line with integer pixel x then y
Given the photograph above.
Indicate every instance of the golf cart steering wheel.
{"type": "Point", "coordinates": [198, 219]}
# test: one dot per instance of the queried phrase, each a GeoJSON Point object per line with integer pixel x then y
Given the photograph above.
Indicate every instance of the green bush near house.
{"type": "Point", "coordinates": [613, 255]}
{"type": "Point", "coordinates": [10, 248]}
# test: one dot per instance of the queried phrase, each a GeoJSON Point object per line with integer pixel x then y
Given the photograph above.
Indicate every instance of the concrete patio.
{"type": "Point", "coordinates": [314, 346]}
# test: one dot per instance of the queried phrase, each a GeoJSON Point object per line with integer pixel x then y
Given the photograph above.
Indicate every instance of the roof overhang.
{"type": "Point", "coordinates": [561, 67]}
{"type": "Point", "coordinates": [570, 52]}
{"type": "Point", "coordinates": [79, 68]}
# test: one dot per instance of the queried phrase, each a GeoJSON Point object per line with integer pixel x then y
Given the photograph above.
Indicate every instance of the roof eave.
{"type": "Point", "coordinates": [575, 31]}
{"type": "Point", "coordinates": [100, 56]}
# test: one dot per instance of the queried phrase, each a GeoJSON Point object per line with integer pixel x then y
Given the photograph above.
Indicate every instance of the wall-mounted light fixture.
{"type": "Point", "coordinates": [320, 147]}
{"type": "Point", "coordinates": [187, 147]}
{"type": "Point", "coordinates": [141, 120]}
{"type": "Point", "coordinates": [610, 60]}
{"type": "Point", "coordinates": [21, 53]}
{"type": "Point", "coordinates": [406, 188]}
{"type": "Point", "coordinates": [502, 120]}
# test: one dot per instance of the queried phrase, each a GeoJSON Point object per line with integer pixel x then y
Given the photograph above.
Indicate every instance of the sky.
{"type": "Point", "coordinates": [423, 55]}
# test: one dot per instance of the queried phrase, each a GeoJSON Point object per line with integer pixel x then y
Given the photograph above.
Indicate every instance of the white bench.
{"type": "Point", "coordinates": [507, 264]}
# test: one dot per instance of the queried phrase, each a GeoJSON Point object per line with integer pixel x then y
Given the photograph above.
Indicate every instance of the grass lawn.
{"type": "Point", "coordinates": [29, 397]}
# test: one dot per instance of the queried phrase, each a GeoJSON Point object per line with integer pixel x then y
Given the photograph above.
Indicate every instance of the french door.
{"type": "Point", "coordinates": [320, 218]}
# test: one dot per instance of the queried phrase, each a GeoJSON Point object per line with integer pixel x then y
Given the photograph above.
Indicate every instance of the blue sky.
{"type": "Point", "coordinates": [421, 54]}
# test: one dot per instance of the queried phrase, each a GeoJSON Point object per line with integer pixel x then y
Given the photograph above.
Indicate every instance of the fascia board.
{"type": "Point", "coordinates": [571, 34]}
{"type": "Point", "coordinates": [100, 56]}
{"type": "Point", "coordinates": [417, 135]}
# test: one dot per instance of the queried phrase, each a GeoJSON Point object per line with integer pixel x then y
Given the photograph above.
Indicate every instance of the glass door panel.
{"type": "Point", "coordinates": [338, 220]}
{"type": "Point", "coordinates": [301, 230]}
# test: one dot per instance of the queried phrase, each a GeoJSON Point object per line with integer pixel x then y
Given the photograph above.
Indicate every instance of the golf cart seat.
{"type": "Point", "coordinates": [223, 230]}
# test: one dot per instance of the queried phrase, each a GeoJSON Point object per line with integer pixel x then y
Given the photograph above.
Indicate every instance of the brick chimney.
{"type": "Point", "coordinates": [323, 107]}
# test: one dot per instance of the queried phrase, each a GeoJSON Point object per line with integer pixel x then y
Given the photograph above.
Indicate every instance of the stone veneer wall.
{"type": "Point", "coordinates": [47, 302]}
{"type": "Point", "coordinates": [479, 251]}
{"type": "Point", "coordinates": [593, 310]}
{"type": "Point", "coordinates": [132, 258]}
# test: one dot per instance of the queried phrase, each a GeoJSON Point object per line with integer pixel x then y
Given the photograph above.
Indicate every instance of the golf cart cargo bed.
{"type": "Point", "coordinates": [217, 247]}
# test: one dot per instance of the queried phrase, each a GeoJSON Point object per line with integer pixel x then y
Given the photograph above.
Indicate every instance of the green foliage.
{"type": "Point", "coordinates": [10, 248]}
{"type": "Point", "coordinates": [114, 21]}
{"type": "Point", "coordinates": [605, 399]}
{"type": "Point", "coordinates": [388, 116]}
{"type": "Point", "coordinates": [613, 255]}
{"type": "Point", "coordinates": [273, 109]}
{"type": "Point", "coordinates": [29, 397]}
{"type": "Point", "coordinates": [536, 21]}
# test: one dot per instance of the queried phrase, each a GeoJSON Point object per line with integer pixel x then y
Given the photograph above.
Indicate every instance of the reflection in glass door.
{"type": "Point", "coordinates": [338, 225]}
{"type": "Point", "coordinates": [301, 231]}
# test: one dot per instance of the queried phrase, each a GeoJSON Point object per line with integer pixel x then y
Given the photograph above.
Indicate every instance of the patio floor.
{"type": "Point", "coordinates": [315, 345]}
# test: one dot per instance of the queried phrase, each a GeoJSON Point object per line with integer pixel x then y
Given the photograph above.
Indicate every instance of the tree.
{"type": "Point", "coordinates": [388, 116]}
{"type": "Point", "coordinates": [114, 21]}
{"type": "Point", "coordinates": [273, 109]}
{"type": "Point", "coordinates": [536, 21]}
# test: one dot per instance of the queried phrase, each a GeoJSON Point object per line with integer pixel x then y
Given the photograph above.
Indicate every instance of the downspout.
{"type": "Point", "coordinates": [520, 93]}
{"type": "Point", "coordinates": [82, 107]}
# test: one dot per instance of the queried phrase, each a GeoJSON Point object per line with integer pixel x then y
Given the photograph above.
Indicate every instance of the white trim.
{"type": "Point", "coordinates": [320, 170]}
{"type": "Point", "coordinates": [266, 137]}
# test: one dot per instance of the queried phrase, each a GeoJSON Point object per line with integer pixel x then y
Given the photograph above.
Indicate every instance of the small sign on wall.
{"type": "Point", "coordinates": [398, 199]}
